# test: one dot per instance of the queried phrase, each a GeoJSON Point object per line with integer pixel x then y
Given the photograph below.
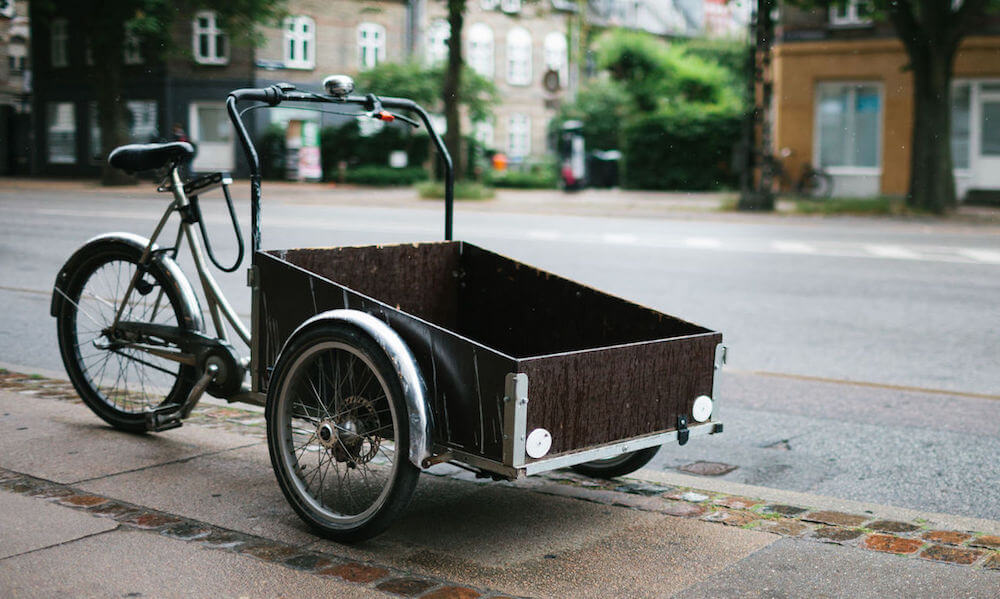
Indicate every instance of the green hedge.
{"type": "Point", "coordinates": [545, 179]}
{"type": "Point", "coordinates": [686, 149]}
{"type": "Point", "coordinates": [464, 190]}
{"type": "Point", "coordinates": [346, 144]}
{"type": "Point", "coordinates": [384, 176]}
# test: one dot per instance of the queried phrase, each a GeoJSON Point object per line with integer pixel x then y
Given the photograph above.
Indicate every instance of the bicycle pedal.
{"type": "Point", "coordinates": [164, 418]}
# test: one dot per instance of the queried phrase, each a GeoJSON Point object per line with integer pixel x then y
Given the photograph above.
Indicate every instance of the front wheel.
{"type": "Point", "coordinates": [621, 465]}
{"type": "Point", "coordinates": [337, 433]}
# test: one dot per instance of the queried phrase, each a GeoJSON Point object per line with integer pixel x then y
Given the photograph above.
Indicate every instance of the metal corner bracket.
{"type": "Point", "coordinates": [515, 418]}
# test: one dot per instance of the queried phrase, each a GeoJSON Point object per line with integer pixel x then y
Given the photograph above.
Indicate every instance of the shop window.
{"type": "Point", "coordinates": [848, 119]}
{"type": "Point", "coordinates": [853, 13]}
{"type": "Point", "coordinates": [141, 118]}
{"type": "Point", "coordinates": [59, 38]}
{"type": "Point", "coordinates": [961, 120]}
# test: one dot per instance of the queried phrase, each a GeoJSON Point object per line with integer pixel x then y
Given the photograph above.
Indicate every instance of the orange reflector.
{"type": "Point", "coordinates": [385, 116]}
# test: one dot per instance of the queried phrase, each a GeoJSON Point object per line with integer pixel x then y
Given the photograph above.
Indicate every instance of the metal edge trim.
{"type": "Point", "coordinates": [607, 451]}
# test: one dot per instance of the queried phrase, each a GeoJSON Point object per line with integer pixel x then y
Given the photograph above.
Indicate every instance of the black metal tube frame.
{"type": "Point", "coordinates": [275, 95]}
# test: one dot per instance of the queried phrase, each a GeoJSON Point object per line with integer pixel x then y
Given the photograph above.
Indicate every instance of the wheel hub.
{"type": "Point", "coordinates": [352, 437]}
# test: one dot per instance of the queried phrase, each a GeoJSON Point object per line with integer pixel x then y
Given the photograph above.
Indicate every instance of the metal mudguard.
{"type": "Point", "coordinates": [174, 276]}
{"type": "Point", "coordinates": [412, 382]}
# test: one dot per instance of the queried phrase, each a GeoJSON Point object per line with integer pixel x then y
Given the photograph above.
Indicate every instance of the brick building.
{"type": "Point", "coordinates": [844, 101]}
{"type": "Point", "coordinates": [15, 87]}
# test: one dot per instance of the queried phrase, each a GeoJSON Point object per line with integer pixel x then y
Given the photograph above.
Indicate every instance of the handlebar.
{"type": "Point", "coordinates": [276, 94]}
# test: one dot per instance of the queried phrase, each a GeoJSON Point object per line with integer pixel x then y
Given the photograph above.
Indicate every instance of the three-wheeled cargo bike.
{"type": "Point", "coordinates": [376, 362]}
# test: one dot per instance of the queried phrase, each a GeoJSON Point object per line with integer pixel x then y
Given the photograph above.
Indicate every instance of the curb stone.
{"type": "Point", "coordinates": [907, 539]}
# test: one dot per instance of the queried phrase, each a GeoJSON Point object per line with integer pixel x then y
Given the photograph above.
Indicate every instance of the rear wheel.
{"type": "Point", "coordinates": [337, 433]}
{"type": "Point", "coordinates": [118, 383]}
{"type": "Point", "coordinates": [621, 465]}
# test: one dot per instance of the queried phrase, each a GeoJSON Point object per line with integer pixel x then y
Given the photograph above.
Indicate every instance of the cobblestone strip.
{"type": "Point", "coordinates": [911, 539]}
{"type": "Point", "coordinates": [136, 517]}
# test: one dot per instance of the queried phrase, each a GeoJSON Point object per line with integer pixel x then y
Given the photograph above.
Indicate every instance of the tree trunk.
{"type": "Point", "coordinates": [452, 85]}
{"type": "Point", "coordinates": [107, 41]}
{"type": "Point", "coordinates": [932, 178]}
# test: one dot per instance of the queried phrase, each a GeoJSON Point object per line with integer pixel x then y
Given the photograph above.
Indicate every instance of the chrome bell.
{"type": "Point", "coordinates": [338, 85]}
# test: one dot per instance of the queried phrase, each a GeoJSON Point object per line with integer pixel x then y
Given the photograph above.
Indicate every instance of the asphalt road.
{"type": "Point", "coordinates": [882, 303]}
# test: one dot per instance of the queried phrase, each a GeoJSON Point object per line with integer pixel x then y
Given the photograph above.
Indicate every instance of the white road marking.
{"type": "Point", "coordinates": [892, 251]}
{"type": "Point", "coordinates": [793, 247]}
{"type": "Point", "coordinates": [991, 256]}
{"type": "Point", "coordinates": [619, 238]}
{"type": "Point", "coordinates": [705, 243]}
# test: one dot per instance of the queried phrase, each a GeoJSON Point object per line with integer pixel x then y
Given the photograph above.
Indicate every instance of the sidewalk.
{"type": "Point", "coordinates": [87, 511]}
{"type": "Point", "coordinates": [589, 202]}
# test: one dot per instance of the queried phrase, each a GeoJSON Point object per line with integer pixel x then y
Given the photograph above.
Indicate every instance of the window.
{"type": "Point", "coordinates": [210, 43]}
{"type": "Point", "coordinates": [489, 4]}
{"type": "Point", "coordinates": [131, 50]}
{"type": "Point", "coordinates": [510, 6]}
{"type": "Point", "coordinates": [61, 132]}
{"type": "Point", "coordinates": [848, 119]}
{"type": "Point", "coordinates": [482, 131]}
{"type": "Point", "coordinates": [518, 136]}
{"type": "Point", "coordinates": [59, 36]}
{"type": "Point", "coordinates": [555, 55]}
{"type": "Point", "coordinates": [300, 42]}
{"type": "Point", "coordinates": [961, 121]}
{"type": "Point", "coordinates": [140, 117]}
{"type": "Point", "coordinates": [481, 49]}
{"type": "Point", "coordinates": [437, 41]}
{"type": "Point", "coordinates": [519, 56]}
{"type": "Point", "coordinates": [852, 13]}
{"type": "Point", "coordinates": [371, 45]}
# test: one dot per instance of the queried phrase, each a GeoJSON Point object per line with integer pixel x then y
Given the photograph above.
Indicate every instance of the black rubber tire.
{"type": "Point", "coordinates": [89, 261]}
{"type": "Point", "coordinates": [295, 361]}
{"type": "Point", "coordinates": [626, 463]}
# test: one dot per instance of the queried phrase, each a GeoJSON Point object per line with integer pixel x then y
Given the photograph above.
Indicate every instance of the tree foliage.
{"type": "Point", "coordinates": [423, 84]}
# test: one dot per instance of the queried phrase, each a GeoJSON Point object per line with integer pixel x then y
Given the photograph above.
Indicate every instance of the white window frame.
{"type": "Point", "coordinates": [556, 54]}
{"type": "Point", "coordinates": [438, 35]}
{"type": "Point", "coordinates": [52, 109]}
{"type": "Point", "coordinates": [213, 34]}
{"type": "Point", "coordinates": [489, 4]}
{"type": "Point", "coordinates": [132, 49]}
{"type": "Point", "coordinates": [480, 50]}
{"type": "Point", "coordinates": [371, 45]}
{"type": "Point", "coordinates": [511, 7]}
{"type": "Point", "coordinates": [300, 42]}
{"type": "Point", "coordinates": [522, 120]}
{"type": "Point", "coordinates": [851, 17]}
{"type": "Point", "coordinates": [850, 170]}
{"type": "Point", "coordinates": [59, 43]}
{"type": "Point", "coordinates": [519, 56]}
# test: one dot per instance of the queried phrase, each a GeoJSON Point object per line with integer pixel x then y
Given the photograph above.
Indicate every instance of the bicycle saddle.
{"type": "Point", "coordinates": [144, 157]}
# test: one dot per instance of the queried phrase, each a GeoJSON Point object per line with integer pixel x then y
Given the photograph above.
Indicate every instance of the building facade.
{"type": "Point", "coordinates": [843, 100]}
{"type": "Point", "coordinates": [15, 87]}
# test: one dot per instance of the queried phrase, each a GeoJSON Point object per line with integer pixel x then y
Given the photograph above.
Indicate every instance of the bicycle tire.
{"type": "Point", "coordinates": [626, 463]}
{"type": "Point", "coordinates": [337, 377]}
{"type": "Point", "coordinates": [89, 291]}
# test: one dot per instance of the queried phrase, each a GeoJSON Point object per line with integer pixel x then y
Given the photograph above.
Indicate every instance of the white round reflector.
{"type": "Point", "coordinates": [702, 409]}
{"type": "Point", "coordinates": [538, 444]}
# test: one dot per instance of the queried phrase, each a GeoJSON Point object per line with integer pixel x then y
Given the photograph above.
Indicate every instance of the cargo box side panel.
{"type": "Point", "coordinates": [595, 397]}
{"type": "Point", "coordinates": [524, 311]}
{"type": "Point", "coordinates": [419, 279]}
{"type": "Point", "coordinates": [465, 381]}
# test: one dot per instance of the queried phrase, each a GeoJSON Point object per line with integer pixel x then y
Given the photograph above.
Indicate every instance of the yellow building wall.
{"type": "Point", "coordinates": [799, 66]}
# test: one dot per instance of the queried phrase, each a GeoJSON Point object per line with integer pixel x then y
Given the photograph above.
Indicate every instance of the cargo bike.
{"type": "Point", "coordinates": [374, 363]}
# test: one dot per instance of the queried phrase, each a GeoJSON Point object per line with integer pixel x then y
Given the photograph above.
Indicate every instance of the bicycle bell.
{"type": "Point", "coordinates": [338, 86]}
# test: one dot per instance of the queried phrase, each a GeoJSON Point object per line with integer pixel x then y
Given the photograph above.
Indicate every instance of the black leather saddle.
{"type": "Point", "coordinates": [144, 157]}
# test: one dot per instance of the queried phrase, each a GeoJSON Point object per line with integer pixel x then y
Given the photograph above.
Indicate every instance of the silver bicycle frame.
{"type": "Point", "coordinates": [218, 306]}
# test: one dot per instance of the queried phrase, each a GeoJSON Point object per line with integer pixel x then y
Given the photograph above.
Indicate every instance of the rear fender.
{"type": "Point", "coordinates": [412, 382]}
{"type": "Point", "coordinates": [173, 275]}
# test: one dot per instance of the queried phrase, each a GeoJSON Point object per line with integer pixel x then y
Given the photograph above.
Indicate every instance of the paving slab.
{"type": "Point", "coordinates": [799, 568]}
{"type": "Point", "coordinates": [137, 564]}
{"type": "Point", "coordinates": [29, 524]}
{"type": "Point", "coordinates": [65, 442]}
{"type": "Point", "coordinates": [546, 546]}
{"type": "Point", "coordinates": [236, 490]}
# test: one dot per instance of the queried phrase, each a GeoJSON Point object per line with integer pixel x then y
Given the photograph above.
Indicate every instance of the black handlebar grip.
{"type": "Point", "coordinates": [271, 95]}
